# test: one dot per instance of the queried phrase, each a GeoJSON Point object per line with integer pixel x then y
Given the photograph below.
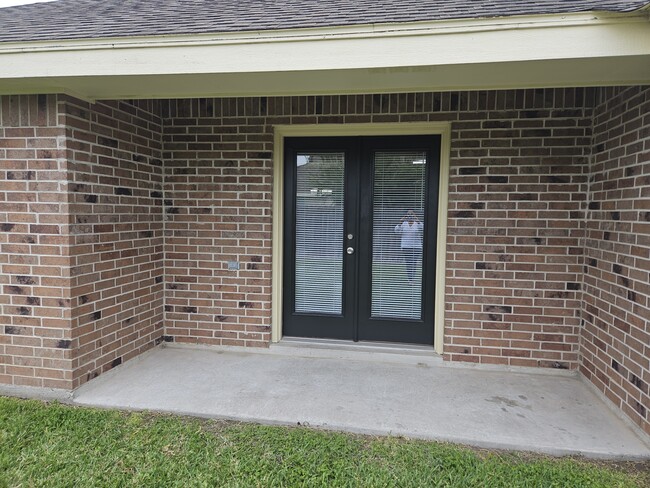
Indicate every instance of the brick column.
{"type": "Point", "coordinates": [35, 346]}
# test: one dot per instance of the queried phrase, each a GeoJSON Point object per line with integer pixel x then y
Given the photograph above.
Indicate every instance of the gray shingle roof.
{"type": "Point", "coordinates": [76, 19]}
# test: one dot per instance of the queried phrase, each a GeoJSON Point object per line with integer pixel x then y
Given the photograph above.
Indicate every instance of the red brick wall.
{"type": "Point", "coordinates": [82, 237]}
{"type": "Point", "coordinates": [116, 233]}
{"type": "Point", "coordinates": [616, 335]}
{"type": "Point", "coordinates": [34, 278]}
{"type": "Point", "coordinates": [218, 183]}
{"type": "Point", "coordinates": [517, 199]}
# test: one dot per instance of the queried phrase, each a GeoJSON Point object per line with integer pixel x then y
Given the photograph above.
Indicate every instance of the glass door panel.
{"type": "Point", "coordinates": [398, 208]}
{"type": "Point", "coordinates": [319, 230]}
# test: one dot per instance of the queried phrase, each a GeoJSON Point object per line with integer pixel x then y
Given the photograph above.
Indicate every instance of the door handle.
{"type": "Point", "coordinates": [350, 250]}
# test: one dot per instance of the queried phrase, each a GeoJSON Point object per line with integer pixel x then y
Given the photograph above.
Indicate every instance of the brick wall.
{"type": "Point", "coordinates": [218, 185]}
{"type": "Point", "coordinates": [520, 161]}
{"type": "Point", "coordinates": [517, 199]}
{"type": "Point", "coordinates": [116, 233]}
{"type": "Point", "coordinates": [616, 334]}
{"type": "Point", "coordinates": [81, 244]}
{"type": "Point", "coordinates": [35, 300]}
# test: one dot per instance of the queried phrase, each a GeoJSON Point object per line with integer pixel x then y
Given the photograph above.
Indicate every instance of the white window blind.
{"type": "Point", "coordinates": [319, 233]}
{"type": "Point", "coordinates": [399, 186]}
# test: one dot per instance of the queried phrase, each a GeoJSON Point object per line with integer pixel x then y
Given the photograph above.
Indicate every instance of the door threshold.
{"type": "Point", "coordinates": [416, 354]}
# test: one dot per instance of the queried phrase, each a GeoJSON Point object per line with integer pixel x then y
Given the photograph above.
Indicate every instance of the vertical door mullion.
{"type": "Point", "coordinates": [365, 189]}
{"type": "Point", "coordinates": [352, 211]}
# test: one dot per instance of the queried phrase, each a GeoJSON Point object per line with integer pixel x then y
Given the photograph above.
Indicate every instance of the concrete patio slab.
{"type": "Point", "coordinates": [496, 409]}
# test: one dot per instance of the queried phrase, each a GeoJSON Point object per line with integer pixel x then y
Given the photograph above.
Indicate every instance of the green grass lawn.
{"type": "Point", "coordinates": [56, 445]}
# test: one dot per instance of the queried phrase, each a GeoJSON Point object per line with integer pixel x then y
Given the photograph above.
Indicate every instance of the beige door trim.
{"type": "Point", "coordinates": [394, 129]}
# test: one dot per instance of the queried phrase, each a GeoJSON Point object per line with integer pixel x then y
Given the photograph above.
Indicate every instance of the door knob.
{"type": "Point", "coordinates": [350, 250]}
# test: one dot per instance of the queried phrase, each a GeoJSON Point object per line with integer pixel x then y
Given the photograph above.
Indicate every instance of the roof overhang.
{"type": "Point", "coordinates": [536, 51]}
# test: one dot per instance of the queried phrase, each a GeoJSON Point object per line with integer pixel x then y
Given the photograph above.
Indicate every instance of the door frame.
{"type": "Point", "coordinates": [443, 129]}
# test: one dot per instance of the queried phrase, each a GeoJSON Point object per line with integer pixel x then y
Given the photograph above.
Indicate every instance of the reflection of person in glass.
{"type": "Point", "coordinates": [410, 228]}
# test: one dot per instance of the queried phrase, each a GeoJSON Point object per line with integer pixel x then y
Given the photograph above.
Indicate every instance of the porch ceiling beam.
{"type": "Point", "coordinates": [550, 50]}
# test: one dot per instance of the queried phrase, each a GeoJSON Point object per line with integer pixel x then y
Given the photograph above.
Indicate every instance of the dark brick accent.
{"type": "Point", "coordinates": [638, 382]}
{"type": "Point", "coordinates": [497, 179]}
{"type": "Point", "coordinates": [107, 141]}
{"type": "Point", "coordinates": [497, 308]}
{"type": "Point", "coordinates": [473, 170]}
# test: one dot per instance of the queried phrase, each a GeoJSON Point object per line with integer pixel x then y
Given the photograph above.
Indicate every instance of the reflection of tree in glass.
{"type": "Point", "coordinates": [319, 204]}
{"type": "Point", "coordinates": [399, 177]}
{"type": "Point", "coordinates": [398, 186]}
{"type": "Point", "coordinates": [322, 171]}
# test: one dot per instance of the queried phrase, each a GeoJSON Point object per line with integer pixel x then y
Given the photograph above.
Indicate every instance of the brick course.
{"type": "Point", "coordinates": [616, 334]}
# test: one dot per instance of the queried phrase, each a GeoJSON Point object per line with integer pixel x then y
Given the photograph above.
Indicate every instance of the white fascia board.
{"type": "Point", "coordinates": [425, 44]}
{"type": "Point", "coordinates": [629, 70]}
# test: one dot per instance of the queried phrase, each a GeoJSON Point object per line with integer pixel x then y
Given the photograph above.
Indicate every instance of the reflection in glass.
{"type": "Point", "coordinates": [319, 233]}
{"type": "Point", "coordinates": [399, 190]}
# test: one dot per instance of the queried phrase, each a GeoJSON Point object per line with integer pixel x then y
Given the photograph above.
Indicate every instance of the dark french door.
{"type": "Point", "coordinates": [360, 220]}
